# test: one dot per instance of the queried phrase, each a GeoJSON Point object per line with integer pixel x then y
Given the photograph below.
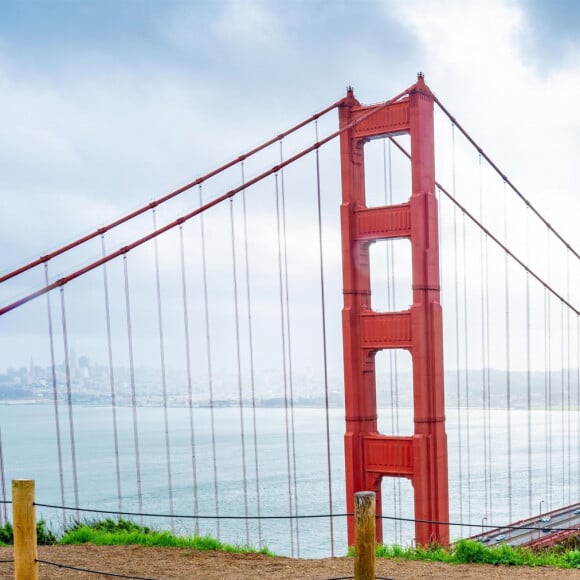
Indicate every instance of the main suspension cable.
{"type": "Point", "coordinates": [491, 236]}
{"type": "Point", "coordinates": [505, 179]}
{"type": "Point", "coordinates": [182, 219]}
{"type": "Point", "coordinates": [171, 195]}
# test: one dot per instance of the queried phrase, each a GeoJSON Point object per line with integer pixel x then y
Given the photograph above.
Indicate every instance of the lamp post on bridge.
{"type": "Point", "coordinates": [541, 502]}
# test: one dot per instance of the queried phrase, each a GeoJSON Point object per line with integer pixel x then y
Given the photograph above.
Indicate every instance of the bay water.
{"type": "Point", "coordinates": [292, 470]}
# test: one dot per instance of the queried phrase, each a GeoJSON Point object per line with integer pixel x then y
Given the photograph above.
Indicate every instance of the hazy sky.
{"type": "Point", "coordinates": [108, 104]}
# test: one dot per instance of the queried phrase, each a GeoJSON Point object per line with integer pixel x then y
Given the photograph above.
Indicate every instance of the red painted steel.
{"type": "Point", "coordinates": [370, 455]}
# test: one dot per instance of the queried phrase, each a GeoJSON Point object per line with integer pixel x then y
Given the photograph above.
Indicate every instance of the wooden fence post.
{"type": "Point", "coordinates": [24, 521]}
{"type": "Point", "coordinates": [364, 534]}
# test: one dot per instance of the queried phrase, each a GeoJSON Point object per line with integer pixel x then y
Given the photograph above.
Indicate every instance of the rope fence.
{"type": "Point", "coordinates": [116, 575]}
{"type": "Point", "coordinates": [89, 571]}
{"type": "Point", "coordinates": [490, 526]}
{"type": "Point", "coordinates": [26, 560]}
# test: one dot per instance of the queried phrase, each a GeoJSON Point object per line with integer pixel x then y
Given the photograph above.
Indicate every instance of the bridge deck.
{"type": "Point", "coordinates": [539, 531]}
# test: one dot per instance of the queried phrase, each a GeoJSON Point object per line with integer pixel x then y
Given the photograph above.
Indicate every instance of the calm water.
{"type": "Point", "coordinates": [30, 451]}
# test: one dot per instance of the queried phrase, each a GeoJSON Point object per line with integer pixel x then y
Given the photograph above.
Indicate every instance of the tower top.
{"type": "Point", "coordinates": [420, 86]}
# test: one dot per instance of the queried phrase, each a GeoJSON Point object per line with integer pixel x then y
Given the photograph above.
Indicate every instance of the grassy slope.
{"type": "Point", "coordinates": [110, 532]}
{"type": "Point", "coordinates": [122, 532]}
{"type": "Point", "coordinates": [470, 551]}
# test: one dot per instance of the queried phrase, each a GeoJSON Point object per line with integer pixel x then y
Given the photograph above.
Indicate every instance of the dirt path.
{"type": "Point", "coordinates": [184, 564]}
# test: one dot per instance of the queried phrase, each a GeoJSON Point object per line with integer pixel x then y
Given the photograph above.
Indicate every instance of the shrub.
{"type": "Point", "coordinates": [44, 537]}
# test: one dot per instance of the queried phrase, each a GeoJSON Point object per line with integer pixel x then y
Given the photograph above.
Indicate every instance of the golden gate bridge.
{"type": "Point", "coordinates": [458, 308]}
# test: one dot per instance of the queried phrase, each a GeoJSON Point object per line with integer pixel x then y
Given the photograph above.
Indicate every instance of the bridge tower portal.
{"type": "Point", "coordinates": [369, 455]}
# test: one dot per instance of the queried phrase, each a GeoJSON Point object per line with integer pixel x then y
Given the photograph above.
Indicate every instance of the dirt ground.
{"type": "Point", "coordinates": [182, 564]}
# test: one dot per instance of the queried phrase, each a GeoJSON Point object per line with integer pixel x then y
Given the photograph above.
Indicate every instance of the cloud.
{"type": "Point", "coordinates": [249, 25]}
{"type": "Point", "coordinates": [96, 126]}
{"type": "Point", "coordinates": [528, 123]}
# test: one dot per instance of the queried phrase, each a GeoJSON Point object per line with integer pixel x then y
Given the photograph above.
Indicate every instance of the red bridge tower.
{"type": "Point", "coordinates": [421, 457]}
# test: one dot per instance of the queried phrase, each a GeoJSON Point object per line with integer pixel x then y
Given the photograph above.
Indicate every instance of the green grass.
{"type": "Point", "coordinates": [109, 532]}
{"type": "Point", "coordinates": [472, 552]}
{"type": "Point", "coordinates": [122, 532]}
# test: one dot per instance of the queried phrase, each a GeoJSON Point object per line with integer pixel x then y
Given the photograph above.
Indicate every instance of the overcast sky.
{"type": "Point", "coordinates": [108, 104]}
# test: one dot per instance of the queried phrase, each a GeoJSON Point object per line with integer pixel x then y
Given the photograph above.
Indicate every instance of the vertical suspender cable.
{"type": "Point", "coordinates": [209, 365]}
{"type": "Point", "coordinates": [549, 341]}
{"type": "Point", "coordinates": [483, 349]}
{"type": "Point", "coordinates": [239, 369]}
{"type": "Point", "coordinates": [442, 265]}
{"type": "Point", "coordinates": [393, 361]}
{"type": "Point", "coordinates": [73, 450]}
{"type": "Point", "coordinates": [457, 339]}
{"type": "Point", "coordinates": [387, 179]}
{"type": "Point", "coordinates": [55, 395]}
{"type": "Point", "coordinates": [466, 342]}
{"type": "Point", "coordinates": [508, 360]}
{"type": "Point", "coordinates": [324, 346]}
{"type": "Point", "coordinates": [568, 381]}
{"type": "Point", "coordinates": [289, 345]}
{"type": "Point", "coordinates": [112, 377]}
{"type": "Point", "coordinates": [489, 469]}
{"type": "Point", "coordinates": [3, 483]}
{"type": "Point", "coordinates": [546, 393]}
{"type": "Point", "coordinates": [192, 444]}
{"type": "Point", "coordinates": [251, 353]}
{"type": "Point", "coordinates": [528, 365]}
{"type": "Point", "coordinates": [163, 371]}
{"type": "Point", "coordinates": [562, 406]}
{"type": "Point", "coordinates": [133, 389]}
{"type": "Point", "coordinates": [394, 356]}
{"type": "Point", "coordinates": [578, 405]}
{"type": "Point", "coordinates": [284, 371]}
